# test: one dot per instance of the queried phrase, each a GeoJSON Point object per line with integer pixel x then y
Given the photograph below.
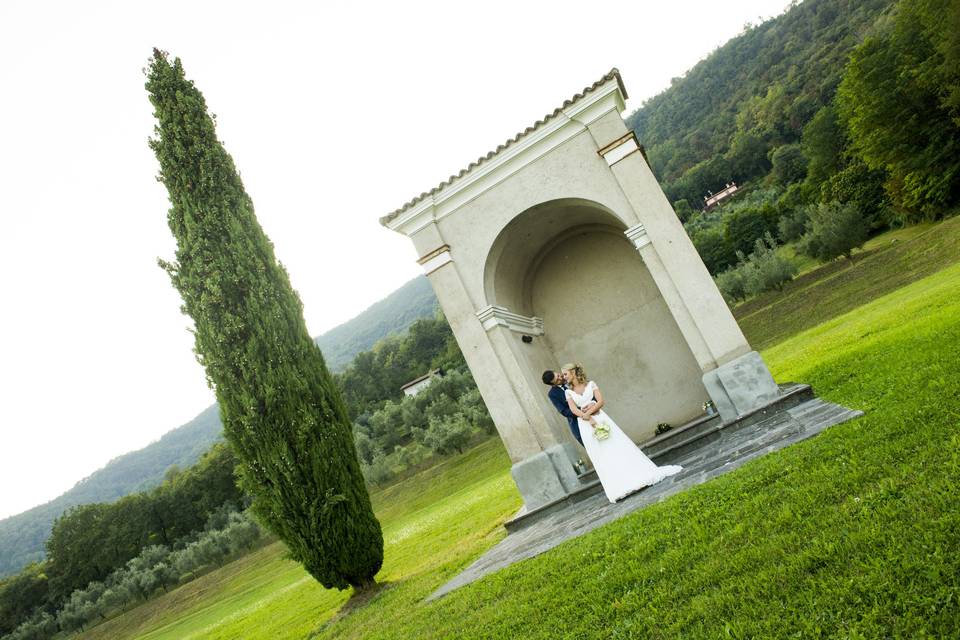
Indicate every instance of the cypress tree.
{"type": "Point", "coordinates": [279, 406]}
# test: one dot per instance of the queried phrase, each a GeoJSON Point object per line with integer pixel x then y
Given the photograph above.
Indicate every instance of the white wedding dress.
{"type": "Point", "coordinates": [620, 464]}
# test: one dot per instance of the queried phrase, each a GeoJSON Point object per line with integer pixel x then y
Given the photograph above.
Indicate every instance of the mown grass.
{"type": "Point", "coordinates": [854, 533]}
{"type": "Point", "coordinates": [434, 524]}
{"type": "Point", "coordinates": [886, 263]}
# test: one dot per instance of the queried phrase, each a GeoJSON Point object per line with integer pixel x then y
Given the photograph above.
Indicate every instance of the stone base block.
{"type": "Point", "coordinates": [741, 386]}
{"type": "Point", "coordinates": [546, 476]}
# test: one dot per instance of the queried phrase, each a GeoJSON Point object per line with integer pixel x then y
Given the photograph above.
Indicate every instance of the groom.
{"type": "Point", "coordinates": [555, 381]}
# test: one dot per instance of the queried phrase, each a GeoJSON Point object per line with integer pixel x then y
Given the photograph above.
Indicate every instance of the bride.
{"type": "Point", "coordinates": [620, 465]}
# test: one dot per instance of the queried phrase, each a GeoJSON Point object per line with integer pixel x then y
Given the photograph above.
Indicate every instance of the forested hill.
{"type": "Point", "coordinates": [393, 314]}
{"type": "Point", "coordinates": [22, 536]}
{"type": "Point", "coordinates": [754, 94]}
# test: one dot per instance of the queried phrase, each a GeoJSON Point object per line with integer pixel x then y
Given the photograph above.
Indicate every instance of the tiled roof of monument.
{"type": "Point", "coordinates": [612, 74]}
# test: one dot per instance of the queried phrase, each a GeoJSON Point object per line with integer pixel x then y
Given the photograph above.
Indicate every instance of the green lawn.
{"type": "Point", "coordinates": [434, 524]}
{"type": "Point", "coordinates": [854, 533]}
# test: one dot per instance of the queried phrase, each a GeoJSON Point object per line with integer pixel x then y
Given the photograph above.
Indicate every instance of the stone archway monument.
{"type": "Point", "coordinates": [560, 246]}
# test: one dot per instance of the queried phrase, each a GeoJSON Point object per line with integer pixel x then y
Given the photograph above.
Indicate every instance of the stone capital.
{"type": "Point", "coordinates": [435, 259]}
{"type": "Point", "coordinates": [637, 234]}
{"type": "Point", "coordinates": [494, 316]}
{"type": "Point", "coordinates": [619, 148]}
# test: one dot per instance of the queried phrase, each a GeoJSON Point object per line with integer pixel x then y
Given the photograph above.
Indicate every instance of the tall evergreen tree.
{"type": "Point", "coordinates": [279, 406]}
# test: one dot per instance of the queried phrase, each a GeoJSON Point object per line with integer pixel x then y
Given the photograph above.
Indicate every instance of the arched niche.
{"type": "Point", "coordinates": [568, 263]}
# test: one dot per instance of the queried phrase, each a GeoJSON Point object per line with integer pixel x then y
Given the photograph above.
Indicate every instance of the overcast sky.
{"type": "Point", "coordinates": [335, 113]}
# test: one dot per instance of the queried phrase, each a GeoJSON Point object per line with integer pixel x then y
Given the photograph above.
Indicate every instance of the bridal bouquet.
{"type": "Point", "coordinates": [601, 431]}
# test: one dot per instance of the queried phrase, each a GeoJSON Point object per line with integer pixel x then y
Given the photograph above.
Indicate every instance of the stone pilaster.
{"type": "Point", "coordinates": [697, 300]}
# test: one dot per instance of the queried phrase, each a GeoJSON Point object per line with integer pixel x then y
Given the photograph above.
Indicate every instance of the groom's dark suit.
{"type": "Point", "coordinates": [559, 400]}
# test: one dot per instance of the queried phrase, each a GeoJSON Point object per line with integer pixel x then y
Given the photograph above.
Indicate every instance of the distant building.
{"type": "Point", "coordinates": [417, 385]}
{"type": "Point", "coordinates": [711, 200]}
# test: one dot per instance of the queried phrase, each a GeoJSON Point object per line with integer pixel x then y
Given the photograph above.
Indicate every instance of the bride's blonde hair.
{"type": "Point", "coordinates": [577, 369]}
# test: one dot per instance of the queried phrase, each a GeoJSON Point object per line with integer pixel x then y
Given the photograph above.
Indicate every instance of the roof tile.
{"type": "Point", "coordinates": [612, 74]}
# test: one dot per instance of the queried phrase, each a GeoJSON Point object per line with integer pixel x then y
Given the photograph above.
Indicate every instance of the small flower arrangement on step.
{"type": "Point", "coordinates": [662, 428]}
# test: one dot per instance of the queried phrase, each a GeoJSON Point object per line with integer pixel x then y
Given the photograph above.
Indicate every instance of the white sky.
{"type": "Point", "coordinates": [335, 113]}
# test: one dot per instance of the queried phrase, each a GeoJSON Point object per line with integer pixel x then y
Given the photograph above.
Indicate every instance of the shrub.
{"type": "Point", "coordinates": [441, 408]}
{"type": "Point", "coordinates": [449, 434]}
{"type": "Point", "coordinates": [834, 230]}
{"type": "Point", "coordinates": [766, 269]}
{"type": "Point", "coordinates": [379, 470]}
{"type": "Point", "coordinates": [387, 425]}
{"type": "Point", "coordinates": [40, 626]}
{"type": "Point", "coordinates": [763, 270]}
{"type": "Point", "coordinates": [789, 164]}
{"type": "Point", "coordinates": [746, 224]}
{"type": "Point", "coordinates": [793, 224]}
{"type": "Point", "coordinates": [683, 209]}
{"type": "Point", "coordinates": [863, 187]}
{"type": "Point", "coordinates": [732, 285]}
{"type": "Point", "coordinates": [474, 409]}
{"type": "Point", "coordinates": [115, 597]}
{"type": "Point", "coordinates": [242, 532]}
{"type": "Point", "coordinates": [411, 455]}
{"type": "Point", "coordinates": [414, 410]}
{"type": "Point", "coordinates": [714, 249]}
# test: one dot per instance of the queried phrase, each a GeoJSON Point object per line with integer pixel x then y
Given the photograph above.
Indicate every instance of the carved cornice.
{"type": "Point", "coordinates": [620, 148]}
{"type": "Point", "coordinates": [494, 316]}
{"type": "Point", "coordinates": [637, 234]}
{"type": "Point", "coordinates": [435, 259]}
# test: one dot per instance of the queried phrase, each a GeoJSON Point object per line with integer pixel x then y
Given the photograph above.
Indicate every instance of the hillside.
{"type": "Point", "coordinates": [393, 314]}
{"type": "Point", "coordinates": [22, 535]}
{"type": "Point", "coordinates": [754, 94]}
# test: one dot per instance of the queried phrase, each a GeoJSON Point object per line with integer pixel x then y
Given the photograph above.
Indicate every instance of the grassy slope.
{"type": "Point", "coordinates": [886, 263]}
{"type": "Point", "coordinates": [852, 533]}
{"type": "Point", "coordinates": [434, 524]}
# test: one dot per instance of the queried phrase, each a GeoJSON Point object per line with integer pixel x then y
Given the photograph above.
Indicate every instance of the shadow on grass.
{"type": "Point", "coordinates": [358, 600]}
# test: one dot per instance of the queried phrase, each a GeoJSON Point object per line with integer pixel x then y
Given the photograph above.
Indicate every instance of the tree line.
{"type": "Point", "coordinates": [394, 433]}
{"type": "Point", "coordinates": [158, 567]}
{"type": "Point", "coordinates": [723, 119]}
{"type": "Point", "coordinates": [92, 546]}
{"type": "Point", "coordinates": [22, 536]}
{"type": "Point", "coordinates": [90, 542]}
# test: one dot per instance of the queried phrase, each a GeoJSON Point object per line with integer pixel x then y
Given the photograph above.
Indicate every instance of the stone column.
{"type": "Point", "coordinates": [736, 378]}
{"type": "Point", "coordinates": [637, 234]}
{"type": "Point", "coordinates": [542, 466]}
